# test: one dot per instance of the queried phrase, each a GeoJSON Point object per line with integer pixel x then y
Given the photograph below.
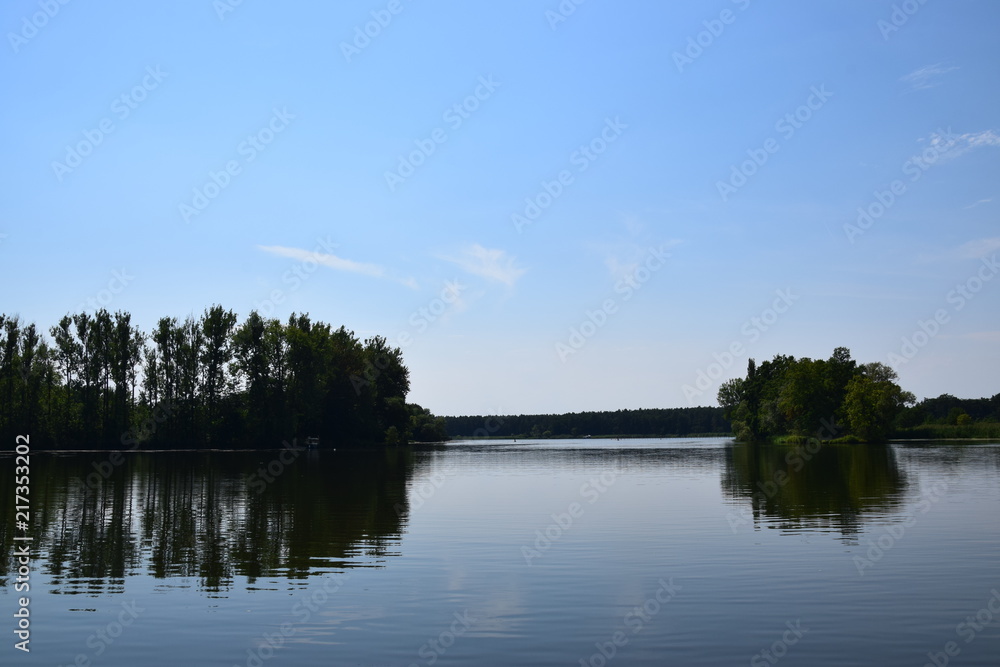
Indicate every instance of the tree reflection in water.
{"type": "Point", "coordinates": [204, 515]}
{"type": "Point", "coordinates": [834, 488]}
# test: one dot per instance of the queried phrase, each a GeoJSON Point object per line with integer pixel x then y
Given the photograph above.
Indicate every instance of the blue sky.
{"type": "Point", "coordinates": [609, 207]}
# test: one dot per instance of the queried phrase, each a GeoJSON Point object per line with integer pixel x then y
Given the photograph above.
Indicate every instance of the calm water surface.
{"type": "Point", "coordinates": [569, 552]}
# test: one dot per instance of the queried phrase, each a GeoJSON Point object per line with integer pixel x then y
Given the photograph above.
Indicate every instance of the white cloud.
{"type": "Point", "coordinates": [493, 264]}
{"type": "Point", "coordinates": [977, 139]}
{"type": "Point", "coordinates": [950, 145]}
{"type": "Point", "coordinates": [923, 78]}
{"type": "Point", "coordinates": [981, 201]}
{"type": "Point", "coordinates": [978, 248]}
{"type": "Point", "coordinates": [330, 261]}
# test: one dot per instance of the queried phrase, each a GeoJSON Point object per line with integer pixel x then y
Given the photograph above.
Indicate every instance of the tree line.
{"type": "Point", "coordinates": [948, 410]}
{"type": "Point", "coordinates": [645, 422]}
{"type": "Point", "coordinates": [203, 382]}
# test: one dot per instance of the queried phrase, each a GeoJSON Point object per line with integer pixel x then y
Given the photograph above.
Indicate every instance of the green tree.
{"type": "Point", "coordinates": [809, 395]}
{"type": "Point", "coordinates": [425, 427]}
{"type": "Point", "coordinates": [840, 368]}
{"type": "Point", "coordinates": [768, 384]}
{"type": "Point", "coordinates": [162, 380]}
{"type": "Point", "coordinates": [731, 395]}
{"type": "Point", "coordinates": [68, 353]}
{"type": "Point", "coordinates": [260, 352]}
{"type": "Point", "coordinates": [309, 374]}
{"type": "Point", "coordinates": [217, 327]}
{"type": "Point", "coordinates": [873, 400]}
{"type": "Point", "coordinates": [127, 345]}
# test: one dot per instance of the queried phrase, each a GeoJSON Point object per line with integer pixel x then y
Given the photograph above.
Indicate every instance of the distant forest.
{"type": "Point", "coordinates": [206, 382]}
{"type": "Point", "coordinates": [949, 417]}
{"type": "Point", "coordinates": [651, 422]}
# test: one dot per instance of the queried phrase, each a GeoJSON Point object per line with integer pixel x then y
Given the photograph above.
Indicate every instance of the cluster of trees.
{"type": "Point", "coordinates": [205, 382]}
{"type": "Point", "coordinates": [652, 423]}
{"type": "Point", "coordinates": [789, 396]}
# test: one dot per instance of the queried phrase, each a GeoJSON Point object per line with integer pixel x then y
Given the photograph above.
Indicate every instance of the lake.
{"type": "Point", "coordinates": [560, 552]}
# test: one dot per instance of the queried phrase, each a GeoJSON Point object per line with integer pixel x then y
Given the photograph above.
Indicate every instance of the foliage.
{"type": "Point", "coordinates": [873, 400]}
{"type": "Point", "coordinates": [205, 382]}
{"type": "Point", "coordinates": [803, 397]}
{"type": "Point", "coordinates": [425, 427]}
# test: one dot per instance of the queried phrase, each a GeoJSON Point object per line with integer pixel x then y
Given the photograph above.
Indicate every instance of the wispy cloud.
{"type": "Point", "coordinates": [925, 77]}
{"type": "Point", "coordinates": [493, 264]}
{"type": "Point", "coordinates": [323, 259]}
{"type": "Point", "coordinates": [331, 261]}
{"type": "Point", "coordinates": [978, 248]}
{"type": "Point", "coordinates": [977, 139]}
{"type": "Point", "coordinates": [950, 145]}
